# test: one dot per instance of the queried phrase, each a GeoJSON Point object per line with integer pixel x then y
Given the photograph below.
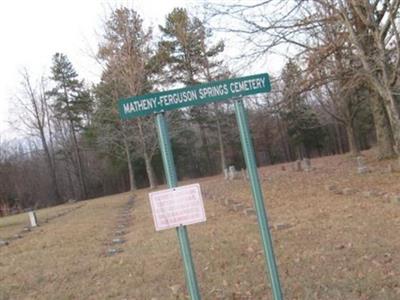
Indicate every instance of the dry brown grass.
{"type": "Point", "coordinates": [339, 247]}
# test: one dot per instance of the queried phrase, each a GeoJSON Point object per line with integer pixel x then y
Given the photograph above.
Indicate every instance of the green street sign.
{"type": "Point", "coordinates": [133, 107]}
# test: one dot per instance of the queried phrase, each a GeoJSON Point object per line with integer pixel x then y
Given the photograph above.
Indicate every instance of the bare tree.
{"type": "Point", "coordinates": [34, 115]}
{"type": "Point", "coordinates": [367, 30]}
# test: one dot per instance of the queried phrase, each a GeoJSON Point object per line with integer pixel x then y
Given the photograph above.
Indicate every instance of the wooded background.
{"type": "Point", "coordinates": [338, 92]}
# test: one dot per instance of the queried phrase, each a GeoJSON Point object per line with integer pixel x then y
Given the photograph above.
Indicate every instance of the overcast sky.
{"type": "Point", "coordinates": [32, 31]}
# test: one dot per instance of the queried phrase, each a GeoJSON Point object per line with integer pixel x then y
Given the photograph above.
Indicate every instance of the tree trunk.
{"type": "Point", "coordinates": [204, 143]}
{"type": "Point", "coordinates": [384, 135]}
{"type": "Point", "coordinates": [150, 171]}
{"type": "Point", "coordinates": [353, 146]}
{"type": "Point", "coordinates": [81, 176]}
{"type": "Point", "coordinates": [283, 139]}
{"type": "Point", "coordinates": [147, 158]}
{"type": "Point", "coordinates": [132, 181]}
{"type": "Point", "coordinates": [71, 191]}
{"type": "Point", "coordinates": [53, 178]}
{"type": "Point", "coordinates": [220, 141]}
{"type": "Point", "coordinates": [394, 119]}
{"type": "Point", "coordinates": [338, 138]}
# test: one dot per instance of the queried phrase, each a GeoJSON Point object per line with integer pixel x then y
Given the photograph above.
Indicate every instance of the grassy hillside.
{"type": "Point", "coordinates": [335, 236]}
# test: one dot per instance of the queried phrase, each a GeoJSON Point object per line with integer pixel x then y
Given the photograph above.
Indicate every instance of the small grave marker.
{"type": "Point", "coordinates": [118, 241]}
{"type": "Point", "coordinates": [232, 173]}
{"type": "Point", "coordinates": [361, 167]}
{"type": "Point", "coordinates": [113, 251]}
{"type": "Point", "coordinates": [33, 219]}
{"type": "Point", "coordinates": [307, 165]}
{"type": "Point", "coordinates": [297, 166]}
{"type": "Point", "coordinates": [226, 174]}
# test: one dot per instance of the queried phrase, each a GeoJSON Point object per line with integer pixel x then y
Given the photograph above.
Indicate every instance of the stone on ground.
{"type": "Point", "coordinates": [113, 251]}
{"type": "Point", "coordinates": [3, 243]}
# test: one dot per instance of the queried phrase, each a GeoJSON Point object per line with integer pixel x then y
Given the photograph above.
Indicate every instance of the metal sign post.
{"type": "Point", "coordinates": [170, 174]}
{"type": "Point", "coordinates": [258, 198]}
{"type": "Point", "coordinates": [222, 90]}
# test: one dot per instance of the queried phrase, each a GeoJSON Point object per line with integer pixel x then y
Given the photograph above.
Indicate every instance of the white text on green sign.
{"type": "Point", "coordinates": [194, 95]}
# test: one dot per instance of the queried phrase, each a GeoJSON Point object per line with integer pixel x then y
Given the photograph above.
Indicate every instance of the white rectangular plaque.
{"type": "Point", "coordinates": [32, 218]}
{"type": "Point", "coordinates": [177, 206]}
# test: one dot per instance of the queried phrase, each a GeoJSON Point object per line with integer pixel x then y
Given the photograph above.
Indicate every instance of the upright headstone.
{"type": "Point", "coordinates": [297, 166]}
{"type": "Point", "coordinates": [307, 164]}
{"type": "Point", "coordinates": [361, 167]}
{"type": "Point", "coordinates": [232, 173]}
{"type": "Point", "coordinates": [32, 218]}
{"type": "Point", "coordinates": [226, 174]}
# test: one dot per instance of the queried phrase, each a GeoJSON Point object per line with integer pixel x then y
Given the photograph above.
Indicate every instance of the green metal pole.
{"type": "Point", "coordinates": [258, 198]}
{"type": "Point", "coordinates": [170, 173]}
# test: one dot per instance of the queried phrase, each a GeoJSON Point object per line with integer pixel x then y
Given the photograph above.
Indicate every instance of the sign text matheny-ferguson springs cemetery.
{"type": "Point", "coordinates": [194, 95]}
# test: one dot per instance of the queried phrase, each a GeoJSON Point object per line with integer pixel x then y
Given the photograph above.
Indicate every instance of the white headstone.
{"type": "Point", "coordinates": [361, 167]}
{"type": "Point", "coordinates": [307, 164]}
{"type": "Point", "coordinates": [232, 173]}
{"type": "Point", "coordinates": [226, 174]}
{"type": "Point", "coordinates": [32, 218]}
{"type": "Point", "coordinates": [297, 165]}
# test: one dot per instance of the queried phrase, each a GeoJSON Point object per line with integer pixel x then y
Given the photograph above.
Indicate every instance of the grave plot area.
{"type": "Point", "coordinates": [327, 245]}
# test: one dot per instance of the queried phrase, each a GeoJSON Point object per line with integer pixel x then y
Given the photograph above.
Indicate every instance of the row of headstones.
{"type": "Point", "coordinates": [124, 221]}
{"type": "Point", "coordinates": [240, 207]}
{"type": "Point", "coordinates": [392, 197]}
{"type": "Point", "coordinates": [33, 221]}
{"type": "Point", "coordinates": [299, 165]}
{"type": "Point", "coordinates": [232, 174]}
{"type": "Point", "coordinates": [362, 167]}
{"type": "Point", "coordinates": [302, 165]}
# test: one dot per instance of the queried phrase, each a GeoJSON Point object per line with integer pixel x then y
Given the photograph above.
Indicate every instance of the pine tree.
{"type": "Point", "coordinates": [71, 102]}
{"type": "Point", "coordinates": [185, 56]}
{"type": "Point", "coordinates": [303, 127]}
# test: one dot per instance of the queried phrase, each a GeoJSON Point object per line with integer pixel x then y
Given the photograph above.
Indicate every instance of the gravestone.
{"type": "Point", "coordinates": [118, 241]}
{"type": "Point", "coordinates": [349, 191]}
{"type": "Point", "coordinates": [361, 167]}
{"type": "Point", "coordinates": [113, 251]}
{"type": "Point", "coordinates": [297, 166]}
{"type": "Point", "coordinates": [226, 174]}
{"type": "Point", "coordinates": [249, 212]}
{"type": "Point", "coordinates": [280, 226]}
{"type": "Point", "coordinates": [33, 219]}
{"type": "Point", "coordinates": [232, 173]}
{"type": "Point", "coordinates": [307, 164]}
